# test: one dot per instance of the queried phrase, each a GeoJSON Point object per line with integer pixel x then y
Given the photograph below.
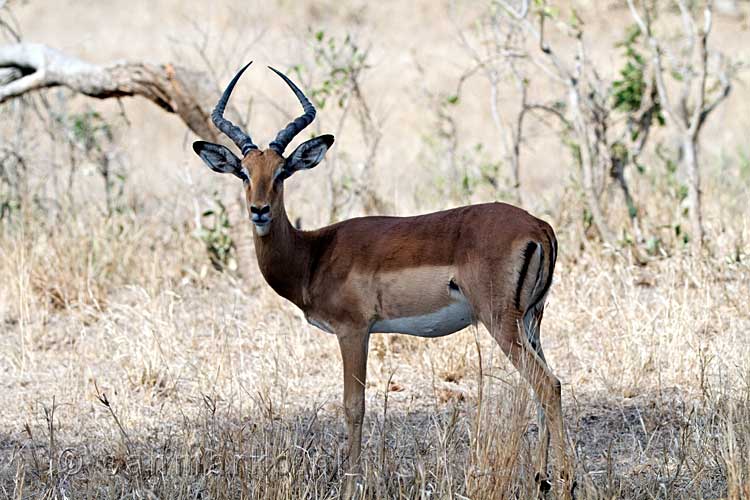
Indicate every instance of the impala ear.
{"type": "Point", "coordinates": [219, 159]}
{"type": "Point", "coordinates": [307, 155]}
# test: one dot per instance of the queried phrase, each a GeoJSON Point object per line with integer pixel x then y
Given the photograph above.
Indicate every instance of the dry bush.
{"type": "Point", "coordinates": [80, 262]}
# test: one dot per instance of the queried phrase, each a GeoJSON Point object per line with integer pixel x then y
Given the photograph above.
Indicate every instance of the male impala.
{"type": "Point", "coordinates": [429, 275]}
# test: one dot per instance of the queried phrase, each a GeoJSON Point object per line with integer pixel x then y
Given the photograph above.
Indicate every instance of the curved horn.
{"type": "Point", "coordinates": [286, 135]}
{"type": "Point", "coordinates": [240, 138]}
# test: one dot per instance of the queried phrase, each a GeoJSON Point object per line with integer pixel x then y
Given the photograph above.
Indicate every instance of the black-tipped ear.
{"type": "Point", "coordinates": [219, 159]}
{"type": "Point", "coordinates": [307, 155]}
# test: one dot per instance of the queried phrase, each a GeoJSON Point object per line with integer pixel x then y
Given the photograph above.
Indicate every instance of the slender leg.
{"type": "Point", "coordinates": [544, 383]}
{"type": "Point", "coordinates": [544, 434]}
{"type": "Point", "coordinates": [533, 334]}
{"type": "Point", "coordinates": [354, 355]}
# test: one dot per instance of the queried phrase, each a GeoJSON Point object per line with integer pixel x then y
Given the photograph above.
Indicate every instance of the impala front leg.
{"type": "Point", "coordinates": [354, 355]}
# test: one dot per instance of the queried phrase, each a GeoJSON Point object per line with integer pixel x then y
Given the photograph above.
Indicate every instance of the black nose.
{"type": "Point", "coordinates": [260, 210]}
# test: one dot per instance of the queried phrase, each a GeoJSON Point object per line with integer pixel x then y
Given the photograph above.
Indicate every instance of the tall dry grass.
{"type": "Point", "coordinates": [133, 369]}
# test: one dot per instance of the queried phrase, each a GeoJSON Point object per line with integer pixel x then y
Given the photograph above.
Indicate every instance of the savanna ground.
{"type": "Point", "coordinates": [133, 368]}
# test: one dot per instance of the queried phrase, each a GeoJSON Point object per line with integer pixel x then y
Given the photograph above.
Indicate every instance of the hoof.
{"type": "Point", "coordinates": [543, 484]}
{"type": "Point", "coordinates": [569, 483]}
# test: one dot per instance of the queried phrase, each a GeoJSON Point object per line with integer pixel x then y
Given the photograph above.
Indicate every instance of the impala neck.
{"type": "Point", "coordinates": [282, 257]}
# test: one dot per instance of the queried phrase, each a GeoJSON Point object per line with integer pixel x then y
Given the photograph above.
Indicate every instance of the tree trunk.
{"type": "Point", "coordinates": [690, 160]}
{"type": "Point", "coordinates": [587, 160]}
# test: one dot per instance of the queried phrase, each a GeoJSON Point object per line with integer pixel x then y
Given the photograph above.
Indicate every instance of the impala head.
{"type": "Point", "coordinates": [263, 171]}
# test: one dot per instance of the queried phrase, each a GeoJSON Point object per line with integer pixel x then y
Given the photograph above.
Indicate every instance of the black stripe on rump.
{"type": "Point", "coordinates": [552, 259]}
{"type": "Point", "coordinates": [527, 254]}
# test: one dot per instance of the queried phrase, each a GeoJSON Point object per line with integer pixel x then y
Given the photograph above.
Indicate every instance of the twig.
{"type": "Point", "coordinates": [49, 416]}
{"type": "Point", "coordinates": [15, 33]}
{"type": "Point", "coordinates": [37, 467]}
{"type": "Point", "coordinates": [385, 420]}
{"type": "Point", "coordinates": [102, 397]}
{"type": "Point", "coordinates": [695, 120]}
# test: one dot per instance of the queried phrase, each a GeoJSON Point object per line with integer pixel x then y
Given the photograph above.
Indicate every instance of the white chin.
{"type": "Point", "coordinates": [262, 229]}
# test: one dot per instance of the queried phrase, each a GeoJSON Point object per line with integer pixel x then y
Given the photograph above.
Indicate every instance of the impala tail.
{"type": "Point", "coordinates": [535, 279]}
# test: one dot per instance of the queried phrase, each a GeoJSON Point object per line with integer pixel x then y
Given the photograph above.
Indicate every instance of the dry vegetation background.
{"type": "Point", "coordinates": [132, 368]}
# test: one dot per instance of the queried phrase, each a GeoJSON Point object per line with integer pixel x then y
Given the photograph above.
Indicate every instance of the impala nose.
{"type": "Point", "coordinates": [260, 215]}
{"type": "Point", "coordinates": [260, 210]}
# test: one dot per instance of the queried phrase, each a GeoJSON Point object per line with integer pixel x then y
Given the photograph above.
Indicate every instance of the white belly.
{"type": "Point", "coordinates": [452, 318]}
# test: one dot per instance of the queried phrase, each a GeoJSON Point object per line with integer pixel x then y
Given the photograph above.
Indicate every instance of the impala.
{"type": "Point", "coordinates": [429, 275]}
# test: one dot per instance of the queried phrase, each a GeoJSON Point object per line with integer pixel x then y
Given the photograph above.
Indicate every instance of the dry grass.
{"type": "Point", "coordinates": [218, 389]}
{"type": "Point", "coordinates": [132, 369]}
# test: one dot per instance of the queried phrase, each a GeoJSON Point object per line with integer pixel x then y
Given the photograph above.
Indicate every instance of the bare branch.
{"type": "Point", "coordinates": [563, 72]}
{"type": "Point", "coordinates": [518, 14]}
{"type": "Point", "coordinates": [189, 94]}
{"type": "Point", "coordinates": [688, 23]}
{"type": "Point", "coordinates": [522, 18]}
{"type": "Point", "coordinates": [643, 119]}
{"type": "Point", "coordinates": [645, 26]}
{"type": "Point", "coordinates": [517, 132]}
{"type": "Point", "coordinates": [552, 111]}
{"type": "Point", "coordinates": [726, 89]}
{"type": "Point", "coordinates": [645, 29]}
{"type": "Point", "coordinates": [13, 32]}
{"type": "Point", "coordinates": [695, 121]}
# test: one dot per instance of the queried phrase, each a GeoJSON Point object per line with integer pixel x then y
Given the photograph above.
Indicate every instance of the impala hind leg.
{"type": "Point", "coordinates": [354, 356]}
{"type": "Point", "coordinates": [531, 328]}
{"type": "Point", "coordinates": [532, 367]}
